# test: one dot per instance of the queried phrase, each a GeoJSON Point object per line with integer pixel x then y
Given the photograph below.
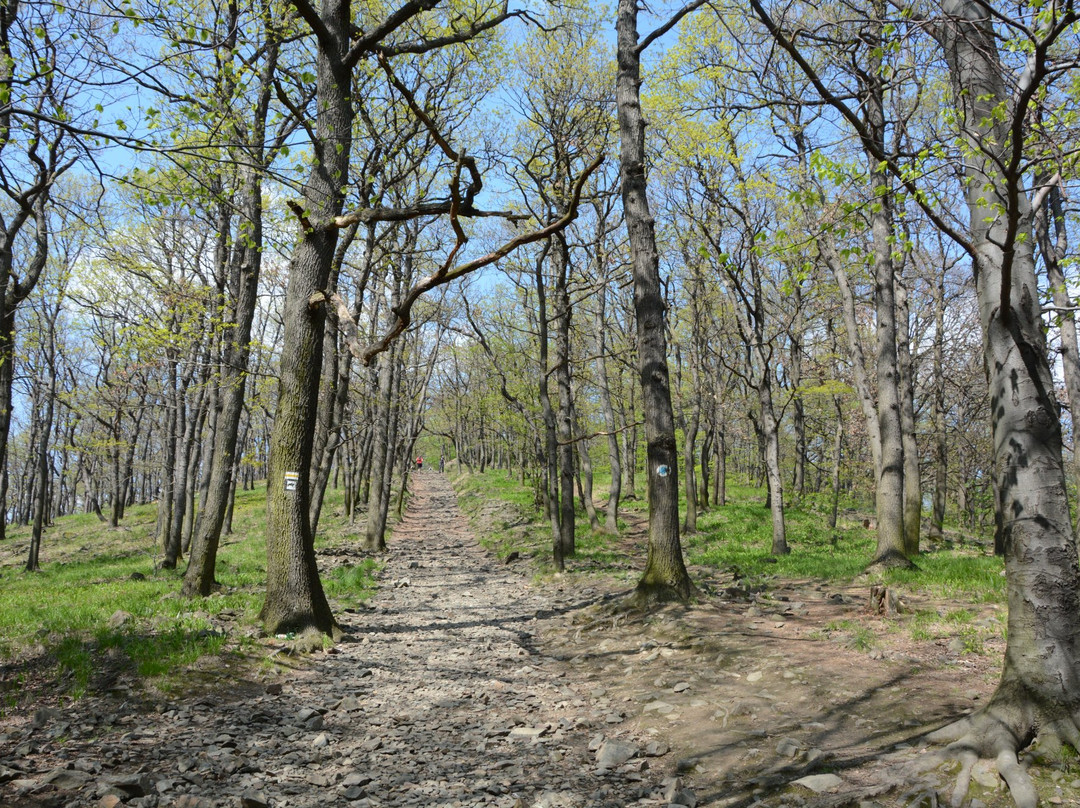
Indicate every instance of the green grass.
{"type": "Point", "coordinates": [90, 572]}
{"type": "Point", "coordinates": [854, 634]}
{"type": "Point", "coordinates": [738, 537]}
{"type": "Point", "coordinates": [352, 584]}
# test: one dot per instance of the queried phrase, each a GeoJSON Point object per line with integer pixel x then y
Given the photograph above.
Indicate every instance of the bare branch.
{"type": "Point", "coordinates": [671, 23]}
{"type": "Point", "coordinates": [445, 274]}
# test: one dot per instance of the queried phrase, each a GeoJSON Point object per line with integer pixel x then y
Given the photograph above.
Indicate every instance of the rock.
{"type": "Point", "coordinates": [320, 741]}
{"type": "Point", "coordinates": [819, 783]}
{"type": "Point", "coordinates": [118, 619]}
{"type": "Point", "coordinates": [614, 753]}
{"type": "Point", "coordinates": [985, 774]}
{"type": "Point", "coordinates": [788, 747]}
{"type": "Point", "coordinates": [254, 799]}
{"type": "Point", "coordinates": [274, 689]}
{"type": "Point", "coordinates": [559, 799]}
{"type": "Point", "coordinates": [656, 749]}
{"type": "Point", "coordinates": [192, 801]}
{"type": "Point", "coordinates": [527, 733]}
{"type": "Point", "coordinates": [681, 687]}
{"type": "Point", "coordinates": [44, 716]}
{"type": "Point", "coordinates": [127, 785]}
{"type": "Point", "coordinates": [66, 779]}
{"type": "Point", "coordinates": [755, 676]}
{"type": "Point", "coordinates": [661, 707]}
{"type": "Point", "coordinates": [110, 801]}
{"type": "Point", "coordinates": [956, 645]}
{"type": "Point", "coordinates": [350, 704]}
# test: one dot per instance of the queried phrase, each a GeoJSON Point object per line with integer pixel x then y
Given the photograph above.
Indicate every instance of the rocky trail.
{"type": "Point", "coordinates": [436, 697]}
{"type": "Point", "coordinates": [463, 684]}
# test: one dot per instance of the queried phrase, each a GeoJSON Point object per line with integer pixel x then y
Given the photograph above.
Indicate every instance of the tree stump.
{"type": "Point", "coordinates": [884, 601]}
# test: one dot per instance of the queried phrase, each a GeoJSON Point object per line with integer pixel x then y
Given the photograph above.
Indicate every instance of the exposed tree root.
{"type": "Point", "coordinates": [986, 734]}
{"type": "Point", "coordinates": [648, 595]}
{"type": "Point", "coordinates": [891, 559]}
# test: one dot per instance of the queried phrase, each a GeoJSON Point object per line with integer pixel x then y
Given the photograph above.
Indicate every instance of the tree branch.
{"type": "Point", "coordinates": [445, 274]}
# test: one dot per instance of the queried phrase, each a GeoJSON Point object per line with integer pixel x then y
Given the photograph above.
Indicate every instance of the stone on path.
{"type": "Point", "coordinates": [819, 783]}
{"type": "Point", "coordinates": [614, 753]}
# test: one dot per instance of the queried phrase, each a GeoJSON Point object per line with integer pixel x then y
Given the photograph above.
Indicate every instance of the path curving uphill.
{"type": "Point", "coordinates": [437, 697]}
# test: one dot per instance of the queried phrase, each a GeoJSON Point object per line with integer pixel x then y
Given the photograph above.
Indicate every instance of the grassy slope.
{"type": "Point", "coordinates": [735, 540]}
{"type": "Point", "coordinates": [60, 616]}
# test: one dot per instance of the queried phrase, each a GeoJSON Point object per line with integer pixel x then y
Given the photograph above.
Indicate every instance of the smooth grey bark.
{"type": "Point", "coordinates": [1051, 232]}
{"type": "Point", "coordinates": [889, 493]}
{"type": "Point", "coordinates": [905, 367]}
{"type": "Point", "coordinates": [382, 455]}
{"type": "Point", "coordinates": [854, 344]}
{"type": "Point", "coordinates": [665, 576]}
{"type": "Point", "coordinates": [837, 452]}
{"type": "Point", "coordinates": [1039, 691]}
{"type": "Point", "coordinates": [937, 413]}
{"type": "Point", "coordinates": [611, 511]}
{"type": "Point", "coordinates": [798, 419]}
{"type": "Point", "coordinates": [564, 423]}
{"type": "Point", "coordinates": [41, 492]}
{"type": "Point", "coordinates": [551, 440]}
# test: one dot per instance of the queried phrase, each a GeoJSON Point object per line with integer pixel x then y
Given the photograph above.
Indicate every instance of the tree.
{"type": "Point", "coordinates": [40, 69]}
{"type": "Point", "coordinates": [665, 576]}
{"type": "Point", "coordinates": [1039, 692]}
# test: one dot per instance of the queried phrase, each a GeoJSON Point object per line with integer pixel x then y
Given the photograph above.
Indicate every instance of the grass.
{"type": "Point", "coordinates": [737, 538]}
{"type": "Point", "coordinates": [62, 614]}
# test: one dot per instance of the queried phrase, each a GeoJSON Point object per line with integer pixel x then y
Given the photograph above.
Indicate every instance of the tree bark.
{"type": "Point", "coordinates": [665, 576]}
{"type": "Point", "coordinates": [295, 599]}
{"type": "Point", "coordinates": [611, 511]}
{"type": "Point", "coordinates": [1039, 690]}
{"type": "Point", "coordinates": [941, 444]}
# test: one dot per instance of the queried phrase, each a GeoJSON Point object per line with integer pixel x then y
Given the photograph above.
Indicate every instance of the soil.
{"type": "Point", "coordinates": [467, 682]}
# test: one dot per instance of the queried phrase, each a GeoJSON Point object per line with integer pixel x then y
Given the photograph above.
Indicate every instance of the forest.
{"type": "Point", "coordinates": [628, 255]}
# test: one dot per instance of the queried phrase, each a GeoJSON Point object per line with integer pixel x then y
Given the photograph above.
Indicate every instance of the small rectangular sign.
{"type": "Point", "coordinates": [291, 478]}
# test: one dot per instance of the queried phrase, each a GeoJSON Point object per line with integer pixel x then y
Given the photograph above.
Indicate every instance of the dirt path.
{"type": "Point", "coordinates": [463, 684]}
{"type": "Point", "coordinates": [436, 698]}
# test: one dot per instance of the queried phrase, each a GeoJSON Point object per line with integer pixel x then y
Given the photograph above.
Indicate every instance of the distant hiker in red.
{"type": "Point", "coordinates": [419, 463]}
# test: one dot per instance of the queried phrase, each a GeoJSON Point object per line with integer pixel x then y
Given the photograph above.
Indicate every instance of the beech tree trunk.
{"type": "Point", "coordinates": [1039, 691]}
{"type": "Point", "coordinates": [665, 576]}
{"type": "Point", "coordinates": [611, 512]}
{"type": "Point", "coordinates": [941, 443]}
{"type": "Point", "coordinates": [564, 417]}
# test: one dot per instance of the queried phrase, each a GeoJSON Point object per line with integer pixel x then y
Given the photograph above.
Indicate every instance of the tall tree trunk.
{"type": "Point", "coordinates": [690, 430]}
{"type": "Point", "coordinates": [551, 440]}
{"type": "Point", "coordinates": [1055, 249]}
{"type": "Point", "coordinates": [41, 494]}
{"type": "Point", "coordinates": [611, 511]}
{"type": "Point", "coordinates": [382, 455]}
{"type": "Point", "coordinates": [889, 499]}
{"type": "Point", "coordinates": [770, 430]}
{"type": "Point", "coordinates": [798, 421]}
{"type": "Point", "coordinates": [167, 479]}
{"type": "Point", "coordinates": [665, 576]}
{"type": "Point", "coordinates": [912, 475]}
{"type": "Point", "coordinates": [295, 599]}
{"type": "Point", "coordinates": [941, 443]}
{"type": "Point", "coordinates": [1039, 690]}
{"type": "Point", "coordinates": [837, 452]}
{"type": "Point", "coordinates": [564, 417]}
